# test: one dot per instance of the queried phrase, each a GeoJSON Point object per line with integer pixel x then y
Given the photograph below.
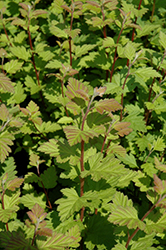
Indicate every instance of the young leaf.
{"type": "Point", "coordinates": [122, 128]}
{"type": "Point", "coordinates": [76, 89]}
{"type": "Point", "coordinates": [6, 84]}
{"type": "Point", "coordinates": [109, 105]}
{"type": "Point", "coordinates": [6, 140]}
{"type": "Point", "coordinates": [160, 186]}
{"type": "Point", "coordinates": [4, 113]}
{"type": "Point", "coordinates": [76, 135]}
{"type": "Point", "coordinates": [16, 183]}
{"type": "Point", "coordinates": [160, 166]}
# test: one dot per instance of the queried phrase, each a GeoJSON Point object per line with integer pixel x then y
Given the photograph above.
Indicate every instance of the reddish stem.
{"type": "Point", "coordinates": [133, 32]}
{"type": "Point", "coordinates": [137, 229]}
{"type": "Point", "coordinates": [115, 58]}
{"type": "Point", "coordinates": [50, 206]}
{"type": "Point", "coordinates": [3, 207]}
{"type": "Point", "coordinates": [153, 10]}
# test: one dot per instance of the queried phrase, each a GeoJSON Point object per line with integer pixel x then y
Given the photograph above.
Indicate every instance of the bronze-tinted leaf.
{"type": "Point", "coordinates": [109, 105]}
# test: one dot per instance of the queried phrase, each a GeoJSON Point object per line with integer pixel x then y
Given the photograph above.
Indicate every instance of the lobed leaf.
{"type": "Point", "coordinates": [6, 140]}
{"type": "Point", "coordinates": [6, 84]}
{"type": "Point", "coordinates": [110, 105]}
{"type": "Point", "coordinates": [126, 216]}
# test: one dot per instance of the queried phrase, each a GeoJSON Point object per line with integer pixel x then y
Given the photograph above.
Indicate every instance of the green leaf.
{"type": "Point", "coordinates": [159, 145]}
{"type": "Point", "coordinates": [6, 84]}
{"type": "Point", "coordinates": [146, 73]}
{"type": "Point", "coordinates": [82, 50]}
{"type": "Point", "coordinates": [149, 168]}
{"type": "Point", "coordinates": [29, 200]}
{"type": "Point", "coordinates": [4, 113]}
{"type": "Point", "coordinates": [15, 241]}
{"type": "Point", "coordinates": [100, 231]}
{"type": "Point", "coordinates": [162, 39]}
{"type": "Point", "coordinates": [6, 140]}
{"type": "Point", "coordinates": [58, 241]}
{"type": "Point", "coordinates": [67, 206]}
{"type": "Point", "coordinates": [129, 160]}
{"type": "Point", "coordinates": [49, 178]}
{"type": "Point", "coordinates": [47, 127]}
{"type": "Point", "coordinates": [30, 83]}
{"type": "Point", "coordinates": [50, 147]}
{"type": "Point", "coordinates": [19, 95]}
{"type": "Point", "coordinates": [144, 243]}
{"type": "Point", "coordinates": [108, 42]}
{"type": "Point", "coordinates": [117, 150]}
{"type": "Point", "coordinates": [126, 216]}
{"type": "Point", "coordinates": [119, 247]}
{"type": "Point", "coordinates": [54, 64]}
{"type": "Point", "coordinates": [76, 135]}
{"type": "Point", "coordinates": [142, 181]}
{"type": "Point", "coordinates": [57, 31]}
{"type": "Point", "coordinates": [21, 52]}
{"type": "Point", "coordinates": [13, 66]}
{"type": "Point", "coordinates": [104, 167]}
{"type": "Point", "coordinates": [110, 105]}
{"type": "Point", "coordinates": [157, 227]}
{"type": "Point", "coordinates": [65, 120]}
{"type": "Point", "coordinates": [129, 51]}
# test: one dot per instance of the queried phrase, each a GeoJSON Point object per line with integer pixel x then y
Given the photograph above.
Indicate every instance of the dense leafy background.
{"type": "Point", "coordinates": [82, 124]}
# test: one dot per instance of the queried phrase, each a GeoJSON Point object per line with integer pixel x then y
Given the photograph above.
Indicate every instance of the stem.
{"type": "Point", "coordinates": [128, 73]}
{"type": "Point", "coordinates": [133, 32]}
{"type": "Point", "coordinates": [137, 229]}
{"type": "Point", "coordinates": [62, 83]}
{"type": "Point", "coordinates": [33, 62]}
{"type": "Point", "coordinates": [33, 59]}
{"type": "Point", "coordinates": [147, 112]}
{"type": "Point", "coordinates": [82, 180]}
{"type": "Point", "coordinates": [3, 207]}
{"type": "Point", "coordinates": [115, 58]}
{"type": "Point", "coordinates": [50, 206]}
{"type": "Point", "coordinates": [153, 10]}
{"type": "Point", "coordinates": [148, 155]}
{"type": "Point", "coordinates": [5, 30]}
{"type": "Point", "coordinates": [105, 35]}
{"type": "Point", "coordinates": [71, 24]}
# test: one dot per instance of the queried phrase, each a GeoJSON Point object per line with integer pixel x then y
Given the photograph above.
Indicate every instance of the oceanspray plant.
{"type": "Point", "coordinates": [82, 93]}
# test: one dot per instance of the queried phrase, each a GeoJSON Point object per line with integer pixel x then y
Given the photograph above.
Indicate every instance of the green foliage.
{"type": "Point", "coordinates": [82, 113]}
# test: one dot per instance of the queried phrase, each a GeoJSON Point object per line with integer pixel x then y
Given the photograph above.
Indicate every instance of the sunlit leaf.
{"type": "Point", "coordinates": [109, 105]}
